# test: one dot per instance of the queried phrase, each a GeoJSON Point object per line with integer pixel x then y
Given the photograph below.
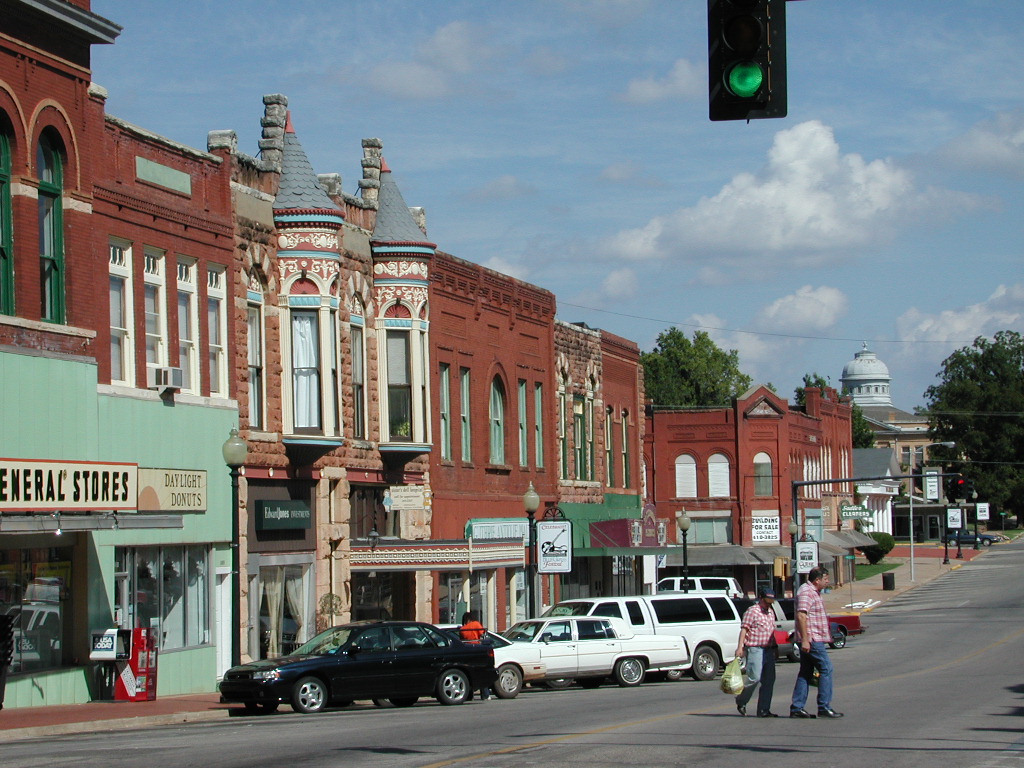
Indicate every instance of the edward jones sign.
{"type": "Point", "coordinates": [39, 485]}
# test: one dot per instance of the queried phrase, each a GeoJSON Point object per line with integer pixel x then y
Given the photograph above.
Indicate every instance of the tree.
{"type": "Point", "coordinates": [884, 543]}
{"type": "Point", "coordinates": [810, 380]}
{"type": "Point", "coordinates": [678, 372]}
{"type": "Point", "coordinates": [979, 404]}
{"type": "Point", "coordinates": [863, 434]}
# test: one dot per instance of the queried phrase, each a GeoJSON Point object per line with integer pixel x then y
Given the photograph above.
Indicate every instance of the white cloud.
{"type": "Point", "coordinates": [453, 52]}
{"type": "Point", "coordinates": [684, 81]}
{"type": "Point", "coordinates": [995, 145]}
{"type": "Point", "coordinates": [631, 174]}
{"type": "Point", "coordinates": [809, 310]}
{"type": "Point", "coordinates": [506, 267]}
{"type": "Point", "coordinates": [620, 284]}
{"type": "Point", "coordinates": [505, 187]}
{"type": "Point", "coordinates": [1003, 310]}
{"type": "Point", "coordinates": [809, 204]}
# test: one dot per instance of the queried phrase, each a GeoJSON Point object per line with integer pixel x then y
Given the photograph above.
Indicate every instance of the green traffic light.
{"type": "Point", "coordinates": [744, 79]}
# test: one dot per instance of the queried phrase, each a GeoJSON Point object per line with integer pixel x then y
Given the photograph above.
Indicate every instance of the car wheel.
{"type": "Point", "coordinates": [629, 672]}
{"type": "Point", "coordinates": [559, 684]}
{"type": "Point", "coordinates": [591, 682]}
{"type": "Point", "coordinates": [794, 655]}
{"type": "Point", "coordinates": [453, 687]}
{"type": "Point", "coordinates": [404, 701]}
{"type": "Point", "coordinates": [839, 642]}
{"type": "Point", "coordinates": [705, 663]}
{"type": "Point", "coordinates": [674, 675]}
{"type": "Point", "coordinates": [509, 682]}
{"type": "Point", "coordinates": [986, 542]}
{"type": "Point", "coordinates": [309, 695]}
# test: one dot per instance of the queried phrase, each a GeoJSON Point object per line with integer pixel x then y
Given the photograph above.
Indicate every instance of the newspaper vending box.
{"type": "Point", "coordinates": [131, 661]}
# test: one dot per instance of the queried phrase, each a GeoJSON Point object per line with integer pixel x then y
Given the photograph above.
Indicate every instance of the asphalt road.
{"type": "Point", "coordinates": [935, 680]}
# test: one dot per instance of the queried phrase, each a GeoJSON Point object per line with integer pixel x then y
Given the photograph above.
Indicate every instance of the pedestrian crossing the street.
{"type": "Point", "coordinates": [959, 588]}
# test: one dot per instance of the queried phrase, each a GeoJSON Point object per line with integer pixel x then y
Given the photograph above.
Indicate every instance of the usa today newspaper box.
{"type": "Point", "coordinates": [127, 664]}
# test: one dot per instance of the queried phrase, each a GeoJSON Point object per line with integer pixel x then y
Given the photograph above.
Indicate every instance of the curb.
{"type": "Point", "coordinates": [116, 724]}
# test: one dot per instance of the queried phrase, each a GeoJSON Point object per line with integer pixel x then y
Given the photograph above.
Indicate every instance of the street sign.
{"type": "Point", "coordinates": [806, 556]}
{"type": "Point", "coordinates": [850, 557]}
{"type": "Point", "coordinates": [554, 546]}
{"type": "Point", "coordinates": [982, 510]}
{"type": "Point", "coordinates": [931, 483]}
{"type": "Point", "coordinates": [954, 518]}
{"type": "Point", "coordinates": [854, 512]}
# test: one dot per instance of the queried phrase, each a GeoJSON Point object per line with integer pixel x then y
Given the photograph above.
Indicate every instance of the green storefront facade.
{"type": "Point", "coordinates": [147, 544]}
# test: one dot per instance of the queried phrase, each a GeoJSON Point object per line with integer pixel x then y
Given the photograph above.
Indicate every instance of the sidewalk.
{"type": "Point", "coordinates": [40, 722]}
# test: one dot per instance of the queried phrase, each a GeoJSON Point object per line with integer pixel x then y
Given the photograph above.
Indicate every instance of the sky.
{"type": "Point", "coordinates": [567, 143]}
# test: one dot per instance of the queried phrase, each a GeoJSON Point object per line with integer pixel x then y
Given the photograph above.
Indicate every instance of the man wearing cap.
{"type": "Point", "coordinates": [757, 644]}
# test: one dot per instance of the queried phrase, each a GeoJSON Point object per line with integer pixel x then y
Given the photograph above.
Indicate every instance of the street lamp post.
{"type": "Point", "coordinates": [531, 501]}
{"type": "Point", "coordinates": [683, 521]}
{"type": "Point", "coordinates": [793, 529]}
{"type": "Point", "coordinates": [234, 451]}
{"type": "Point", "coordinates": [948, 444]}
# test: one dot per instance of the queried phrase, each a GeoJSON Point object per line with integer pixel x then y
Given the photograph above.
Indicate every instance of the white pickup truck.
{"type": "Point", "coordinates": [587, 649]}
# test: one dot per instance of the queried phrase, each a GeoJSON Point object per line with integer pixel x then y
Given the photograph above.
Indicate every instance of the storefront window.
{"type": "Point", "coordinates": [168, 592]}
{"type": "Point", "coordinates": [35, 588]}
{"type": "Point", "coordinates": [283, 591]}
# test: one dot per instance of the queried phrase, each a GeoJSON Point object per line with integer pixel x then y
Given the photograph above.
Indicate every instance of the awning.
{"type": "Point", "coordinates": [712, 554]}
{"type": "Point", "coordinates": [77, 522]}
{"type": "Point", "coordinates": [849, 539]}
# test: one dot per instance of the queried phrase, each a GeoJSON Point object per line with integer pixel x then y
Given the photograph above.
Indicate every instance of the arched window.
{"type": "Point", "coordinates": [6, 254]}
{"type": "Point", "coordinates": [497, 421]}
{"type": "Point", "coordinates": [763, 475]}
{"type": "Point", "coordinates": [686, 477]}
{"type": "Point", "coordinates": [718, 476]}
{"type": "Point", "coordinates": [49, 165]}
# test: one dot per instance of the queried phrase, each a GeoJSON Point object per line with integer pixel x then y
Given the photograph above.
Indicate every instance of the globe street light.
{"type": "Point", "coordinates": [531, 501]}
{"type": "Point", "coordinates": [234, 451]}
{"type": "Point", "coordinates": [683, 521]}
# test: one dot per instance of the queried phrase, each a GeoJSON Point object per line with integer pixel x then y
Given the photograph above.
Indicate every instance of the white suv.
{"type": "Point", "coordinates": [725, 584]}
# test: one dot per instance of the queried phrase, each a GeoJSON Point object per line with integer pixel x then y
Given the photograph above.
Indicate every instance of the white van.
{"type": "Point", "coordinates": [708, 622]}
{"type": "Point", "coordinates": [725, 584]}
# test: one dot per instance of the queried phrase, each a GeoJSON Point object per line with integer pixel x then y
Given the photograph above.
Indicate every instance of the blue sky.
{"type": "Point", "coordinates": [566, 142]}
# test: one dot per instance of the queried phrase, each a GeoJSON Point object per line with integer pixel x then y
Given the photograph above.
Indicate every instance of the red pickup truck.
{"type": "Point", "coordinates": [847, 624]}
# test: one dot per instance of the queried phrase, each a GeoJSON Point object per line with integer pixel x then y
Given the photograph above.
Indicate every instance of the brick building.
{"type": "Point", "coordinates": [732, 471]}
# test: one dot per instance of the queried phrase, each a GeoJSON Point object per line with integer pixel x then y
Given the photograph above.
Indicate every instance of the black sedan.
{"type": "Point", "coordinates": [395, 660]}
{"type": "Point", "coordinates": [968, 538]}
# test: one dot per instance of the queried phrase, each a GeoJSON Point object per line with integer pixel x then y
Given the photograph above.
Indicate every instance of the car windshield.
{"type": "Point", "coordinates": [570, 609]}
{"type": "Point", "coordinates": [326, 642]}
{"type": "Point", "coordinates": [523, 632]}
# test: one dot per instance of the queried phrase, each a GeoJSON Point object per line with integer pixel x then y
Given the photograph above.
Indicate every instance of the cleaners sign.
{"type": "Point", "coordinates": [34, 485]}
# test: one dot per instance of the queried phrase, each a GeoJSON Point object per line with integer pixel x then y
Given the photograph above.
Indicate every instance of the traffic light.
{"type": "Point", "coordinates": [968, 489]}
{"type": "Point", "coordinates": [954, 487]}
{"type": "Point", "coordinates": [746, 59]}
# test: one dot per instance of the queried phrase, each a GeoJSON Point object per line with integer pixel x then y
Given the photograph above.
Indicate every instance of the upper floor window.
{"type": "Point", "coordinates": [497, 421]}
{"type": "Point", "coordinates": [358, 378]}
{"type": "Point", "coordinates": [609, 447]}
{"type": "Point", "coordinates": [399, 370]}
{"type": "Point", "coordinates": [49, 164]}
{"type": "Point", "coordinates": [154, 307]}
{"type": "Point", "coordinates": [719, 485]}
{"type": "Point", "coordinates": [763, 475]}
{"type": "Point", "coordinates": [188, 322]}
{"type": "Point", "coordinates": [524, 447]}
{"type": "Point", "coordinates": [254, 341]}
{"type": "Point", "coordinates": [444, 407]}
{"type": "Point", "coordinates": [686, 477]}
{"type": "Point", "coordinates": [464, 414]}
{"type": "Point", "coordinates": [563, 417]}
{"type": "Point", "coordinates": [217, 328]}
{"type": "Point", "coordinates": [6, 237]}
{"type": "Point", "coordinates": [538, 425]}
{"type": "Point", "coordinates": [627, 477]}
{"type": "Point", "coordinates": [122, 325]}
{"type": "Point", "coordinates": [306, 410]}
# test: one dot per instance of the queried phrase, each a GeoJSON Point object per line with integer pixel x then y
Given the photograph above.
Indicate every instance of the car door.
{"type": "Point", "coordinates": [558, 649]}
{"type": "Point", "coordinates": [418, 661]}
{"type": "Point", "coordinates": [597, 647]}
{"type": "Point", "coordinates": [365, 667]}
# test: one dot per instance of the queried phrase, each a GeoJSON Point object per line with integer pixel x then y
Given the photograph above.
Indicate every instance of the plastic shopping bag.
{"type": "Point", "coordinates": [732, 678]}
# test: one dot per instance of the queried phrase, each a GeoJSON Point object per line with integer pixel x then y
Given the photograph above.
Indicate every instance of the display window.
{"type": "Point", "coordinates": [35, 588]}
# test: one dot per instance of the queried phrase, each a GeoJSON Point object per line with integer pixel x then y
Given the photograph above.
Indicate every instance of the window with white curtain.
{"type": "Point", "coordinates": [718, 476]}
{"type": "Point", "coordinates": [306, 371]}
{"type": "Point", "coordinates": [763, 475]}
{"type": "Point", "coordinates": [686, 477]}
{"type": "Point", "coordinates": [399, 372]}
{"type": "Point", "coordinates": [497, 421]}
{"type": "Point", "coordinates": [122, 325]}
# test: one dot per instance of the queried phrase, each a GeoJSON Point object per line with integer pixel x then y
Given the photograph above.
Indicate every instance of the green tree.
{"type": "Point", "coordinates": [863, 434]}
{"type": "Point", "coordinates": [810, 380]}
{"type": "Point", "coordinates": [979, 404]}
{"type": "Point", "coordinates": [678, 372]}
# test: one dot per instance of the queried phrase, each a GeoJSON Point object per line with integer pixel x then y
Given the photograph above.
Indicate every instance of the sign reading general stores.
{"type": "Point", "coordinates": [40, 485]}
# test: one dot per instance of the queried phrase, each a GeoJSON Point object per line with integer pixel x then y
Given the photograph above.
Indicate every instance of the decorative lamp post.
{"type": "Point", "coordinates": [234, 450]}
{"type": "Point", "coordinates": [949, 444]}
{"type": "Point", "coordinates": [531, 502]}
{"type": "Point", "coordinates": [793, 529]}
{"type": "Point", "coordinates": [683, 521]}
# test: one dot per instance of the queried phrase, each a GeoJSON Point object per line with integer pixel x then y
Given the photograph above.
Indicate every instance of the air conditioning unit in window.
{"type": "Point", "coordinates": [165, 379]}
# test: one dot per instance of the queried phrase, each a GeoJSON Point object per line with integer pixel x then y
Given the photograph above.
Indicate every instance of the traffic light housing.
{"type": "Point", "coordinates": [954, 487]}
{"type": "Point", "coordinates": [746, 59]}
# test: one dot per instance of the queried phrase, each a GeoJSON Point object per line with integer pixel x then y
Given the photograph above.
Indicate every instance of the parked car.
{"type": "Point", "coordinates": [586, 649]}
{"type": "Point", "coordinates": [785, 624]}
{"type": "Point", "coordinates": [966, 538]}
{"type": "Point", "coordinates": [708, 622]}
{"type": "Point", "coordinates": [395, 660]}
{"type": "Point", "coordinates": [701, 584]}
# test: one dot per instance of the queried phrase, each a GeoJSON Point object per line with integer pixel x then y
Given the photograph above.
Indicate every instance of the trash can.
{"type": "Point", "coordinates": [888, 581]}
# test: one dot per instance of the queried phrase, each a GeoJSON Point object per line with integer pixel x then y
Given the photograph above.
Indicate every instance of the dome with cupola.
{"type": "Point", "coordinates": [867, 379]}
